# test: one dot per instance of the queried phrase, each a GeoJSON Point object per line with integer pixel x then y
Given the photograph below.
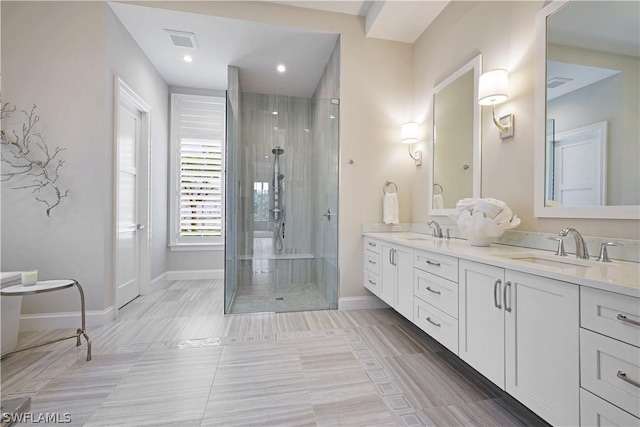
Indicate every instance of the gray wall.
{"type": "Point", "coordinates": [53, 55]}
{"type": "Point", "coordinates": [126, 60]}
{"type": "Point", "coordinates": [71, 79]}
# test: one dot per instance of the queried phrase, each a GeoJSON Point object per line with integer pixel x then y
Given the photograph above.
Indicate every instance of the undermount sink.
{"type": "Point", "coordinates": [417, 238]}
{"type": "Point", "coordinates": [550, 260]}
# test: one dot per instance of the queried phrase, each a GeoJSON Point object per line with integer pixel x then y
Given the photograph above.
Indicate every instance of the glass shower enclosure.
{"type": "Point", "coordinates": [281, 244]}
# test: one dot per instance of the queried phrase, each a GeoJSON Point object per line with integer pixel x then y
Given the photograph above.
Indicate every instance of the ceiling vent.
{"type": "Point", "coordinates": [554, 82]}
{"type": "Point", "coordinates": [183, 39]}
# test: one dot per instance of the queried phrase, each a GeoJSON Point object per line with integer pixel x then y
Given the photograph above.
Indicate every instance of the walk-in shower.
{"type": "Point", "coordinates": [278, 208]}
{"type": "Point", "coordinates": [282, 175]}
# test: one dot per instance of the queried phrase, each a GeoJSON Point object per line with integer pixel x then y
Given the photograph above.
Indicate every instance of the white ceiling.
{"type": "Point", "coordinates": [257, 48]}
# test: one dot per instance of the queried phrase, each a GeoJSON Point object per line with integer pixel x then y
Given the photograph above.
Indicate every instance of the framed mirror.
{"type": "Point", "coordinates": [587, 132]}
{"type": "Point", "coordinates": [454, 143]}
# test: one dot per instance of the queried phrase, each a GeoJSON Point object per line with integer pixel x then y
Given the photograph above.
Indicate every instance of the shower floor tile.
{"type": "Point", "coordinates": [278, 298]}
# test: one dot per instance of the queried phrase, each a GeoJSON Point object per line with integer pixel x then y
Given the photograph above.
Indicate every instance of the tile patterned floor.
{"type": "Point", "coordinates": [171, 358]}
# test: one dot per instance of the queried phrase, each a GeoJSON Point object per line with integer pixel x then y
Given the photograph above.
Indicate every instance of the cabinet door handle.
{"type": "Point", "coordinates": [394, 256]}
{"type": "Point", "coordinates": [372, 282]}
{"type": "Point", "coordinates": [623, 376]}
{"type": "Point", "coordinates": [435, 292]}
{"type": "Point", "coordinates": [372, 262]}
{"type": "Point", "coordinates": [435, 264]}
{"type": "Point", "coordinates": [372, 244]}
{"type": "Point", "coordinates": [623, 318]}
{"type": "Point", "coordinates": [496, 291]}
{"type": "Point", "coordinates": [504, 296]}
{"type": "Point", "coordinates": [432, 322]}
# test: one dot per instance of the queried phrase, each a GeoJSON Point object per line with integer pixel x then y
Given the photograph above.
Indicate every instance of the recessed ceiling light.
{"type": "Point", "coordinates": [281, 68]}
{"type": "Point", "coordinates": [332, 116]}
{"type": "Point", "coordinates": [275, 113]}
{"type": "Point", "coordinates": [275, 128]}
{"type": "Point", "coordinates": [187, 58]}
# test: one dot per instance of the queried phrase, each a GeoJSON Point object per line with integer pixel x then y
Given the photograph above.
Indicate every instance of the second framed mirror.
{"type": "Point", "coordinates": [454, 143]}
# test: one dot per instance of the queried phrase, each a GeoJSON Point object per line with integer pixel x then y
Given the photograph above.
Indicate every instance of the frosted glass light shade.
{"type": "Point", "coordinates": [409, 133]}
{"type": "Point", "coordinates": [493, 87]}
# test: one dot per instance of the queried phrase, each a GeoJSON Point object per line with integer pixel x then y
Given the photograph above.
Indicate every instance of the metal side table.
{"type": "Point", "coordinates": [50, 286]}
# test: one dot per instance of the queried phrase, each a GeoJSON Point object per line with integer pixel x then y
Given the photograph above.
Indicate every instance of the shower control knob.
{"type": "Point", "coordinates": [327, 214]}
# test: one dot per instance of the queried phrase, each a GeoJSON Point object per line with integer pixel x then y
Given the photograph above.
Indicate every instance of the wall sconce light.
{"type": "Point", "coordinates": [409, 135]}
{"type": "Point", "coordinates": [493, 89]}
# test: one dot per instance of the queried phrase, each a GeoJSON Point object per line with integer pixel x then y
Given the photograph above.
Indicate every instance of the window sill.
{"type": "Point", "coordinates": [196, 247]}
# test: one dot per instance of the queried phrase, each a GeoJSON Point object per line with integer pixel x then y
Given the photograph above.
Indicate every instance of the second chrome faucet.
{"type": "Point", "coordinates": [581, 246]}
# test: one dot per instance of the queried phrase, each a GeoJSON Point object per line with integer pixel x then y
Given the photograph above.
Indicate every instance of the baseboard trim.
{"type": "Point", "coordinates": [194, 274]}
{"type": "Point", "coordinates": [65, 320]}
{"type": "Point", "coordinates": [160, 278]}
{"type": "Point", "coordinates": [360, 303]}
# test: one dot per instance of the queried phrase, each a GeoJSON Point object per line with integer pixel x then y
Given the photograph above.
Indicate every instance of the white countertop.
{"type": "Point", "coordinates": [618, 276]}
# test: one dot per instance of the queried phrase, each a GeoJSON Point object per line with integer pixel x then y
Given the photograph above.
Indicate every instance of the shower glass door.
{"type": "Point", "coordinates": [282, 193]}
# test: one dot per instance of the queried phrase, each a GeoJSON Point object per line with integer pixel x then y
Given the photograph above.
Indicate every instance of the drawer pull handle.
{"type": "Point", "coordinates": [435, 292]}
{"type": "Point", "coordinates": [372, 282]}
{"type": "Point", "coordinates": [496, 291]}
{"type": "Point", "coordinates": [435, 264]}
{"type": "Point", "coordinates": [372, 262]}
{"type": "Point", "coordinates": [623, 377]}
{"type": "Point", "coordinates": [372, 244]}
{"type": "Point", "coordinates": [432, 322]}
{"type": "Point", "coordinates": [623, 318]}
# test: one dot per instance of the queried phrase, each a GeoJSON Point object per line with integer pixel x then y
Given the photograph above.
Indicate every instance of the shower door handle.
{"type": "Point", "coordinates": [328, 214]}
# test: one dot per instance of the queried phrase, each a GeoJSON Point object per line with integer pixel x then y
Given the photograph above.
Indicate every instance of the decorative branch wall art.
{"type": "Point", "coordinates": [27, 159]}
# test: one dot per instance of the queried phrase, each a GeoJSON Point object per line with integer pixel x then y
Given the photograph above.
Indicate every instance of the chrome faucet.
{"type": "Point", "coordinates": [581, 246]}
{"type": "Point", "coordinates": [437, 230]}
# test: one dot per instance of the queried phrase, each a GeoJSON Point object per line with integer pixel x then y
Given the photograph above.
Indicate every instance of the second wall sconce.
{"type": "Point", "coordinates": [493, 89]}
{"type": "Point", "coordinates": [409, 135]}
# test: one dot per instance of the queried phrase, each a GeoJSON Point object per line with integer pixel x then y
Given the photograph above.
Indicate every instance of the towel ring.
{"type": "Point", "coordinates": [441, 189]}
{"type": "Point", "coordinates": [387, 184]}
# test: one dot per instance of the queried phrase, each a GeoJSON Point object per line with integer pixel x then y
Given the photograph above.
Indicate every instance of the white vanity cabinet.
{"type": "Point", "coordinates": [609, 358]}
{"type": "Point", "coordinates": [388, 273]}
{"type": "Point", "coordinates": [521, 332]}
{"type": "Point", "coordinates": [397, 278]}
{"type": "Point", "coordinates": [372, 268]}
{"type": "Point", "coordinates": [435, 291]}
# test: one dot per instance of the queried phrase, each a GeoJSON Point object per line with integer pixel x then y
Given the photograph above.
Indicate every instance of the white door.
{"type": "Point", "coordinates": [542, 346]}
{"type": "Point", "coordinates": [128, 240]}
{"type": "Point", "coordinates": [481, 319]}
{"type": "Point", "coordinates": [580, 166]}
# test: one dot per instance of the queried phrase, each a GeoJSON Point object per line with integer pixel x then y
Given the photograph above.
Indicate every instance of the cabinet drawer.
{"type": "Point", "coordinates": [439, 292]}
{"type": "Point", "coordinates": [372, 245]}
{"type": "Point", "coordinates": [372, 282]}
{"type": "Point", "coordinates": [441, 265]}
{"type": "Point", "coordinates": [442, 327]}
{"type": "Point", "coordinates": [611, 314]}
{"type": "Point", "coordinates": [372, 262]}
{"type": "Point", "coordinates": [597, 412]}
{"type": "Point", "coordinates": [603, 360]}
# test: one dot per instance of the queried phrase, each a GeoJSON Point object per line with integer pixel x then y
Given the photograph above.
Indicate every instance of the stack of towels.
{"type": "Point", "coordinates": [483, 220]}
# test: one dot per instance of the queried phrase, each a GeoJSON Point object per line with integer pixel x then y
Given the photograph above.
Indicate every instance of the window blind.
{"type": "Point", "coordinates": [200, 122]}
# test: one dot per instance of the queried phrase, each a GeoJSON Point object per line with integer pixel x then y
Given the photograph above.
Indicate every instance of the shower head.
{"type": "Point", "coordinates": [277, 151]}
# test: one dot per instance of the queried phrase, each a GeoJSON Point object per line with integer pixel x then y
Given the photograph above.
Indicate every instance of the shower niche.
{"type": "Point", "coordinates": [285, 175]}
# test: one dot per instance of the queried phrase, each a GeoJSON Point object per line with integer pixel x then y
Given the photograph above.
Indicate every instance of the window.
{"type": "Point", "coordinates": [197, 175]}
{"type": "Point", "coordinates": [261, 201]}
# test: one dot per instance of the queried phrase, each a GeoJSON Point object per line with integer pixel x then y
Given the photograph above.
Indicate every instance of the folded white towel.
{"type": "Point", "coordinates": [438, 201]}
{"type": "Point", "coordinates": [489, 207]}
{"type": "Point", "coordinates": [390, 209]}
{"type": "Point", "coordinates": [466, 204]}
